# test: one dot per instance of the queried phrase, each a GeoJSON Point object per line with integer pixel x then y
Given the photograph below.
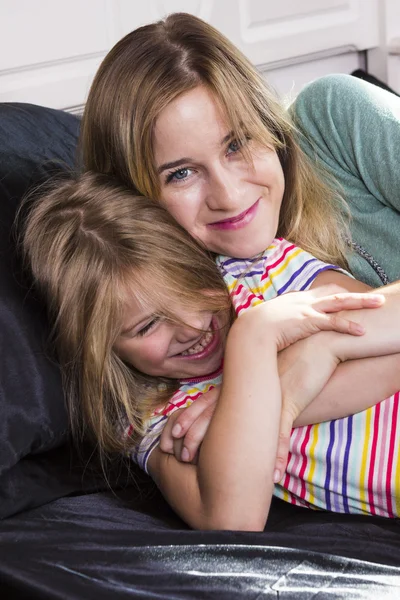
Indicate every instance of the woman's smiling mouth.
{"type": "Point", "coordinates": [236, 222]}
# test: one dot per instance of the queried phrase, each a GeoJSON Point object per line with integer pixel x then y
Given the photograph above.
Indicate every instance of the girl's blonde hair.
{"type": "Point", "coordinates": [90, 242]}
{"type": "Point", "coordinates": [154, 64]}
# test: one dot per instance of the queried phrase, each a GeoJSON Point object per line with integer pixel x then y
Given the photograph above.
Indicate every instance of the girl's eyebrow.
{"type": "Point", "coordinates": [135, 324]}
{"type": "Point", "coordinates": [186, 159]}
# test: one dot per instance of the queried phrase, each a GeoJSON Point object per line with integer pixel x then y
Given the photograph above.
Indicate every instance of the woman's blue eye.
{"type": "Point", "coordinates": [179, 175]}
{"type": "Point", "coordinates": [234, 146]}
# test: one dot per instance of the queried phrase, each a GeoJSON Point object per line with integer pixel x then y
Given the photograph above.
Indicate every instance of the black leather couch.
{"type": "Point", "coordinates": [64, 533]}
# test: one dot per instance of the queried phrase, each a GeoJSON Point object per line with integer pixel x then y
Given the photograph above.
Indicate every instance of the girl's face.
{"type": "Point", "coordinates": [164, 349]}
{"type": "Point", "coordinates": [228, 204]}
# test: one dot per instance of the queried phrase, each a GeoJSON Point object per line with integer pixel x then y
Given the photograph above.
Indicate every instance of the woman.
{"type": "Point", "coordinates": [178, 113]}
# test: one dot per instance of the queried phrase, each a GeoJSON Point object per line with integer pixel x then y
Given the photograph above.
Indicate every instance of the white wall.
{"type": "Point", "coordinates": [50, 50]}
{"type": "Point", "coordinates": [384, 61]}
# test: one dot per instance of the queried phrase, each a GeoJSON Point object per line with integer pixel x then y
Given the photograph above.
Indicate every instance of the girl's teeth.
{"type": "Point", "coordinates": [203, 343]}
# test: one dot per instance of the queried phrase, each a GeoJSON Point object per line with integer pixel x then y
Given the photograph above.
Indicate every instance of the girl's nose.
{"type": "Point", "coordinates": [190, 330]}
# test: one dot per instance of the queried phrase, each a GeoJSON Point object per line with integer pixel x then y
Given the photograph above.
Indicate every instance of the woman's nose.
{"type": "Point", "coordinates": [224, 191]}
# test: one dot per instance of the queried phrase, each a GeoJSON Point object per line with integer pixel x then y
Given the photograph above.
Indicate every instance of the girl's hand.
{"type": "Point", "coordinates": [298, 315]}
{"type": "Point", "coordinates": [185, 428]}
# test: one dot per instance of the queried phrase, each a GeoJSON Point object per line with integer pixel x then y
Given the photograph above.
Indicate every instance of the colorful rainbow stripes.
{"type": "Point", "coordinates": [350, 465]}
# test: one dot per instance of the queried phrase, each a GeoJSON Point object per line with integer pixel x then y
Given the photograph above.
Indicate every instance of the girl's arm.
{"type": "Point", "coordinates": [231, 485]}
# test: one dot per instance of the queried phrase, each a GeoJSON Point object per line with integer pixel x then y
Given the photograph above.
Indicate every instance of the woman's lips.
{"type": "Point", "coordinates": [236, 222]}
{"type": "Point", "coordinates": [209, 349]}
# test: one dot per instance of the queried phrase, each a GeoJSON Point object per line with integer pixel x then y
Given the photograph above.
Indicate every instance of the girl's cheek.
{"type": "Point", "coordinates": [155, 350]}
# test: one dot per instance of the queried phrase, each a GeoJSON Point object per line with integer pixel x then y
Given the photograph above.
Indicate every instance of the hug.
{"type": "Point", "coordinates": [208, 277]}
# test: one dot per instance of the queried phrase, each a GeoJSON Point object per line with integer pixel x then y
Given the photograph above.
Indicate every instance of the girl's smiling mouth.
{"type": "Point", "coordinates": [205, 346]}
{"type": "Point", "coordinates": [236, 222]}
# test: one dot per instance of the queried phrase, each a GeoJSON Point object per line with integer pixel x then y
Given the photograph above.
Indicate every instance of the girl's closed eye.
{"type": "Point", "coordinates": [148, 327]}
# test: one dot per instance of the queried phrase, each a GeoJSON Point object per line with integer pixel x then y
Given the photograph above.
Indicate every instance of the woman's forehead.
{"type": "Point", "coordinates": [191, 116]}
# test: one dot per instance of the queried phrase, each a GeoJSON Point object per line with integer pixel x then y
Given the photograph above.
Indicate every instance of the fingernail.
{"type": "Point", "coordinates": [185, 454]}
{"type": "Point", "coordinates": [176, 430]}
{"type": "Point", "coordinates": [277, 476]}
{"type": "Point", "coordinates": [377, 297]}
{"type": "Point", "coordinates": [359, 328]}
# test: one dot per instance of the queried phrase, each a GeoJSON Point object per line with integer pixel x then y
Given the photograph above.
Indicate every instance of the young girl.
{"type": "Point", "coordinates": [177, 112]}
{"type": "Point", "coordinates": [139, 308]}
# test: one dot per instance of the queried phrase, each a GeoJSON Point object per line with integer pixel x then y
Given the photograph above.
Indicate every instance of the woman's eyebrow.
{"type": "Point", "coordinates": [187, 159]}
{"type": "Point", "coordinates": [227, 137]}
{"type": "Point", "coordinates": [175, 163]}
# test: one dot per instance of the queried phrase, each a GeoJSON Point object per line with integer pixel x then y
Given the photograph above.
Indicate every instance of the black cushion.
{"type": "Point", "coordinates": [35, 143]}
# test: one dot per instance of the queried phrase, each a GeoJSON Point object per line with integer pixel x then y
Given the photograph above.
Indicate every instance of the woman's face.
{"type": "Point", "coordinates": [158, 347]}
{"type": "Point", "coordinates": [228, 204]}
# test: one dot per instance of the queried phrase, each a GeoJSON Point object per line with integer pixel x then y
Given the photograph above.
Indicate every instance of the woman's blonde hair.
{"type": "Point", "coordinates": [90, 242]}
{"type": "Point", "coordinates": [154, 64]}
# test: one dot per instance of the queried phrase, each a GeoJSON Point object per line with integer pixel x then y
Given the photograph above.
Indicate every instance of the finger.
{"type": "Point", "coordinates": [339, 324]}
{"type": "Point", "coordinates": [327, 289]}
{"type": "Point", "coordinates": [283, 446]}
{"type": "Point", "coordinates": [347, 301]}
{"type": "Point", "coordinates": [196, 433]}
{"type": "Point", "coordinates": [190, 414]}
{"type": "Point", "coordinates": [177, 446]}
{"type": "Point", "coordinates": [167, 440]}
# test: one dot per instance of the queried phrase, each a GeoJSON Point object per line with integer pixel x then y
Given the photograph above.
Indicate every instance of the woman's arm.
{"type": "Point", "coordinates": [355, 386]}
{"type": "Point", "coordinates": [316, 387]}
{"type": "Point", "coordinates": [306, 367]}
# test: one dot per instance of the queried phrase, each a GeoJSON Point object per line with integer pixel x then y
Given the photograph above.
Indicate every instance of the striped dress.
{"type": "Point", "coordinates": [349, 465]}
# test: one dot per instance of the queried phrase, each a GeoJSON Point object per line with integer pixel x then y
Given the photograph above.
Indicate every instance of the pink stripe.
{"type": "Point", "coordinates": [384, 427]}
{"type": "Point", "coordinates": [246, 304]}
{"type": "Point", "coordinates": [296, 440]}
{"type": "Point", "coordinates": [372, 460]}
{"type": "Point", "coordinates": [304, 462]}
{"type": "Point", "coordinates": [391, 454]}
{"type": "Point", "coordinates": [173, 405]}
{"type": "Point", "coordinates": [237, 291]}
{"type": "Point", "coordinates": [276, 263]}
{"type": "Point", "coordinates": [287, 476]}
